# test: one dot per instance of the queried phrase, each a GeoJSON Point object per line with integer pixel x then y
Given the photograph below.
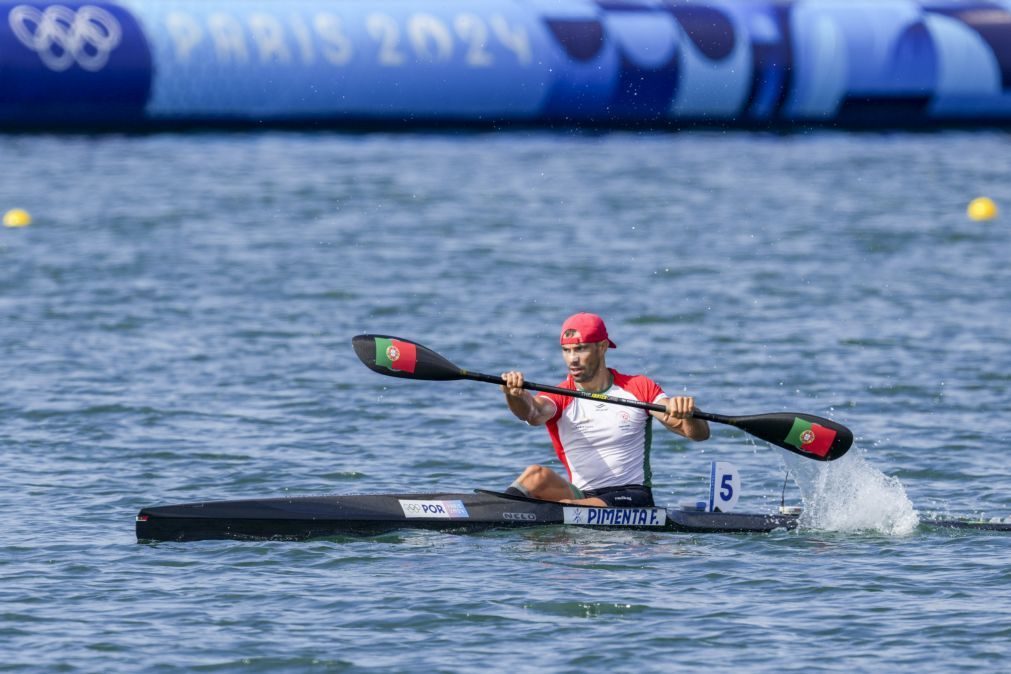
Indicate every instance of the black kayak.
{"type": "Point", "coordinates": [306, 517]}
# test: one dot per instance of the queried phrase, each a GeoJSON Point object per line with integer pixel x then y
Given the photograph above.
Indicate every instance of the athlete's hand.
{"type": "Point", "coordinates": [678, 409]}
{"type": "Point", "coordinates": [513, 384]}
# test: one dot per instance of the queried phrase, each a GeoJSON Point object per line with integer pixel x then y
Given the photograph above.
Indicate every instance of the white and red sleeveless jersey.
{"type": "Point", "coordinates": [603, 444]}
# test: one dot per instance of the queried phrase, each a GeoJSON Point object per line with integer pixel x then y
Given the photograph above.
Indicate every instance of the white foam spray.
{"type": "Point", "coordinates": [851, 495]}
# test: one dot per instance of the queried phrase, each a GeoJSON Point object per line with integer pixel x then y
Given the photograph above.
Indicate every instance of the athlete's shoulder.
{"type": "Point", "coordinates": [639, 385]}
{"type": "Point", "coordinates": [622, 379]}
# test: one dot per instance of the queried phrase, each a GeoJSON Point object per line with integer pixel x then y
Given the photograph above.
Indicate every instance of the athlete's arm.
{"type": "Point", "coordinates": [678, 418]}
{"type": "Point", "coordinates": [535, 410]}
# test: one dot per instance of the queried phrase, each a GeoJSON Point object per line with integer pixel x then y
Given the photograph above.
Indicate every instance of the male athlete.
{"type": "Point", "coordinates": [603, 446]}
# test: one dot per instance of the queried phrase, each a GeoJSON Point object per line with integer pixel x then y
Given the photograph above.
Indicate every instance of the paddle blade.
{"type": "Point", "coordinates": [399, 357]}
{"type": "Point", "coordinates": [805, 434]}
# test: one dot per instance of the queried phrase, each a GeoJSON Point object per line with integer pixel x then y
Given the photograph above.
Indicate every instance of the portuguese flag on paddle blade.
{"type": "Point", "coordinates": [394, 354]}
{"type": "Point", "coordinates": [810, 438]}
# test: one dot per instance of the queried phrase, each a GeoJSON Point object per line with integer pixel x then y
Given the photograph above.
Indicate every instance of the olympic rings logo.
{"type": "Point", "coordinates": [62, 37]}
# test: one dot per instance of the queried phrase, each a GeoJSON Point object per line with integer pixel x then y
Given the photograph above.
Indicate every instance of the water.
{"type": "Point", "coordinates": [176, 326]}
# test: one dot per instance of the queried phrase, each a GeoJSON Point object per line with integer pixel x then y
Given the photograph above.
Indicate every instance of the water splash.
{"type": "Point", "coordinates": [851, 495]}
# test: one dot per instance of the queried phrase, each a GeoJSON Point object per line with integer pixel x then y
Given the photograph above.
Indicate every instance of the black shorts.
{"type": "Point", "coordinates": [627, 496]}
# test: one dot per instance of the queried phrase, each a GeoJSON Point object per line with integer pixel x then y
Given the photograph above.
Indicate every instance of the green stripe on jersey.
{"type": "Point", "coordinates": [647, 472]}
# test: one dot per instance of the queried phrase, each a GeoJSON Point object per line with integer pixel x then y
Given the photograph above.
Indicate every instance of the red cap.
{"type": "Point", "coordinates": [589, 328]}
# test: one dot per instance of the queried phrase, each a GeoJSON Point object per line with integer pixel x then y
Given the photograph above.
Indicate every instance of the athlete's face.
{"type": "Point", "coordinates": [584, 360]}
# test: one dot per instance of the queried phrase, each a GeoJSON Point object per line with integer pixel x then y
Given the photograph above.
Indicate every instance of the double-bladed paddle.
{"type": "Point", "coordinates": [808, 435]}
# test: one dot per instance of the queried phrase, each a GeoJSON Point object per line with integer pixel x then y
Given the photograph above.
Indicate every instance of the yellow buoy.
{"type": "Point", "coordinates": [17, 217]}
{"type": "Point", "coordinates": [981, 208]}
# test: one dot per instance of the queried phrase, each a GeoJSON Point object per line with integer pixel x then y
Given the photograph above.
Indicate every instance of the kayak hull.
{"type": "Point", "coordinates": [308, 517]}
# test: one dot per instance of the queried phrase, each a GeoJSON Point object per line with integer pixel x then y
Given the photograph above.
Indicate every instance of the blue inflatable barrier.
{"type": "Point", "coordinates": [498, 62]}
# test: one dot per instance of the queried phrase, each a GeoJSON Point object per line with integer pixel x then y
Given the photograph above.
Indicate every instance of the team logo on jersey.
{"type": "Point", "coordinates": [624, 420]}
